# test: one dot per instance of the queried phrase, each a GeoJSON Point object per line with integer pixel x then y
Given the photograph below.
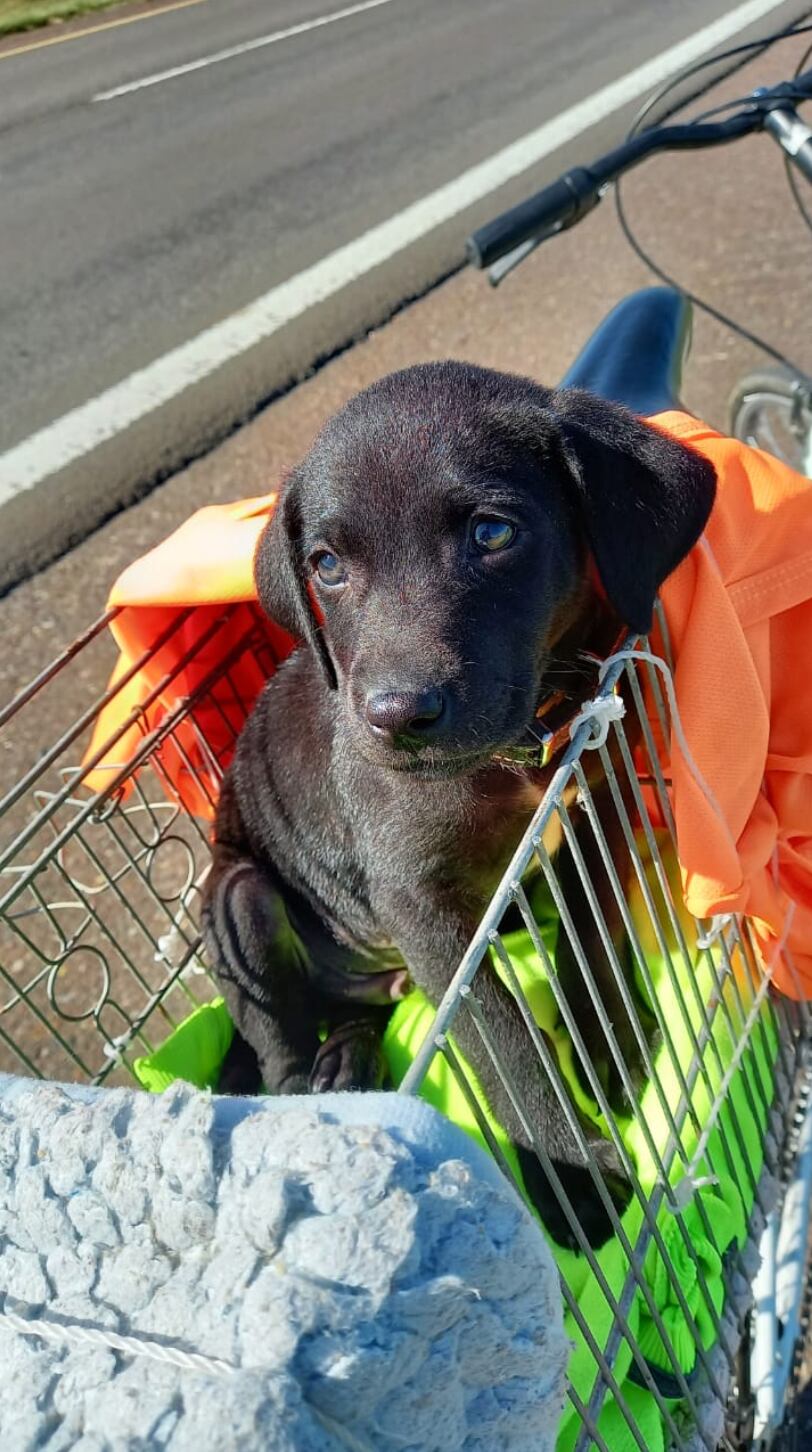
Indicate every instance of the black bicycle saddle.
{"type": "Point", "coordinates": [636, 355]}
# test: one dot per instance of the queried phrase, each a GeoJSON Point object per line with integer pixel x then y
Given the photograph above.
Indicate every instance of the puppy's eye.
{"type": "Point", "coordinates": [490, 535]}
{"type": "Point", "coordinates": [329, 568]}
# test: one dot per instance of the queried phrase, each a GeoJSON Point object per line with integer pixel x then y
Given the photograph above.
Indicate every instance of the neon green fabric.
{"type": "Point", "coordinates": [716, 1215]}
{"type": "Point", "coordinates": [194, 1052]}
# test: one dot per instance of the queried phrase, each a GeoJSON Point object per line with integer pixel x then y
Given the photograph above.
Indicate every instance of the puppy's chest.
{"type": "Point", "coordinates": [503, 819]}
{"type": "Point", "coordinates": [465, 838]}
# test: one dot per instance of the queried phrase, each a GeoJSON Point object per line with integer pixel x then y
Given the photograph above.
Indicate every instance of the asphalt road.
{"type": "Point", "coordinates": [128, 225]}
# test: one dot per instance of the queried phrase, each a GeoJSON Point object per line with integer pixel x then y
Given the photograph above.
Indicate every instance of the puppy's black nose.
{"type": "Point", "coordinates": [404, 713]}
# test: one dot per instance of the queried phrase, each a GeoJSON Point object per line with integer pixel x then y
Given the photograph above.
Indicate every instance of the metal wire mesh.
{"type": "Point", "coordinates": [99, 890]}
{"type": "Point", "coordinates": [99, 962]}
{"type": "Point", "coordinates": [718, 1025]}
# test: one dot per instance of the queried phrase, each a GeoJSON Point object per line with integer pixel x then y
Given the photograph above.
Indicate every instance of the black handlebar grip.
{"type": "Point", "coordinates": [559, 205]}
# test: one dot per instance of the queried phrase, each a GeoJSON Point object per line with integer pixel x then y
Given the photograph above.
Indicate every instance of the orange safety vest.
{"type": "Point", "coordinates": [739, 613]}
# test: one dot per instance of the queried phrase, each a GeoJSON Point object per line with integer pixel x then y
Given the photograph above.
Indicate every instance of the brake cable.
{"type": "Point", "coordinates": [740, 50]}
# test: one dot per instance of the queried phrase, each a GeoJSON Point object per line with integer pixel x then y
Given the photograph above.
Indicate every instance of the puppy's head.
{"type": "Point", "coordinates": [435, 546]}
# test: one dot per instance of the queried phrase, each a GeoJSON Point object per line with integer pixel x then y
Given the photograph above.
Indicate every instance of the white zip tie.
{"type": "Point", "coordinates": [676, 724]}
{"type": "Point", "coordinates": [718, 926]}
{"type": "Point", "coordinates": [170, 947]}
{"type": "Point", "coordinates": [599, 714]}
{"type": "Point", "coordinates": [721, 921]}
{"type": "Point", "coordinates": [681, 1194]}
{"type": "Point", "coordinates": [114, 1049]}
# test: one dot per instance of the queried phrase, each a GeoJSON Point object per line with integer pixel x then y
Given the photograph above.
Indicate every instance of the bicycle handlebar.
{"type": "Point", "coordinates": [553, 209]}
{"type": "Point", "coordinates": [568, 199]}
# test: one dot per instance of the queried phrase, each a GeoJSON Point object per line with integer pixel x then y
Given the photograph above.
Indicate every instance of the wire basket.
{"type": "Point", "coordinates": [101, 868]}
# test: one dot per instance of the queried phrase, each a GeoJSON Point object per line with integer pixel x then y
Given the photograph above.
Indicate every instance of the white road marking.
{"type": "Point", "coordinates": [84, 428]}
{"type": "Point", "coordinates": [233, 50]}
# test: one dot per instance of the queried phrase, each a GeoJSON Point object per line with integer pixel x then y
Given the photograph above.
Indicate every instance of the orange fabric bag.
{"type": "Point", "coordinates": [739, 610]}
{"type": "Point", "coordinates": [183, 610]}
{"type": "Point", "coordinates": [739, 613]}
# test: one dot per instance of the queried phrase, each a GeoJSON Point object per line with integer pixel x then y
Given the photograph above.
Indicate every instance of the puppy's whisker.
{"type": "Point", "coordinates": [508, 686]}
{"type": "Point", "coordinates": [558, 669]}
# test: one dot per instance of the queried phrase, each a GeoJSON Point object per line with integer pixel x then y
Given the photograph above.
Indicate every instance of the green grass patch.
{"type": "Point", "coordinates": [30, 14]}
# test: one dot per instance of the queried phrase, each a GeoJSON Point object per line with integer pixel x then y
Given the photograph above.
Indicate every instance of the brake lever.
{"type": "Point", "coordinates": [498, 271]}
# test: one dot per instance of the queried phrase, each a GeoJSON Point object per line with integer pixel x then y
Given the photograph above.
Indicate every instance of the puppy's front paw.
{"type": "Point", "coordinates": [351, 1058]}
{"type": "Point", "coordinates": [242, 1073]}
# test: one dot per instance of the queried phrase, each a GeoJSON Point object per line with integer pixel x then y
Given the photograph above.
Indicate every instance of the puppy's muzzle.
{"type": "Point", "coordinates": [406, 718]}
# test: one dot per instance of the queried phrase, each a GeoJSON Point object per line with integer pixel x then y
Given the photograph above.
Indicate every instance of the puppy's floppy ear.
{"type": "Point", "coordinates": [281, 579]}
{"type": "Point", "coordinates": [644, 498]}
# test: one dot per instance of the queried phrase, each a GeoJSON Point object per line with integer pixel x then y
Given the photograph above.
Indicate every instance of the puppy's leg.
{"type": "Point", "coordinates": [586, 927]}
{"type": "Point", "coordinates": [240, 1072]}
{"type": "Point", "coordinates": [433, 944]}
{"type": "Point", "coordinates": [282, 977]}
{"type": "Point", "coordinates": [261, 967]}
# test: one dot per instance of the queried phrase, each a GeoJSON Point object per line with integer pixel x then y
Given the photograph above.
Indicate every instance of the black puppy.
{"type": "Point", "coordinates": [451, 542]}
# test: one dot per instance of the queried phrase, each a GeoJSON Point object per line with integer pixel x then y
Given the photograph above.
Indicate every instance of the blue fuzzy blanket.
{"type": "Point", "coordinates": [286, 1276]}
